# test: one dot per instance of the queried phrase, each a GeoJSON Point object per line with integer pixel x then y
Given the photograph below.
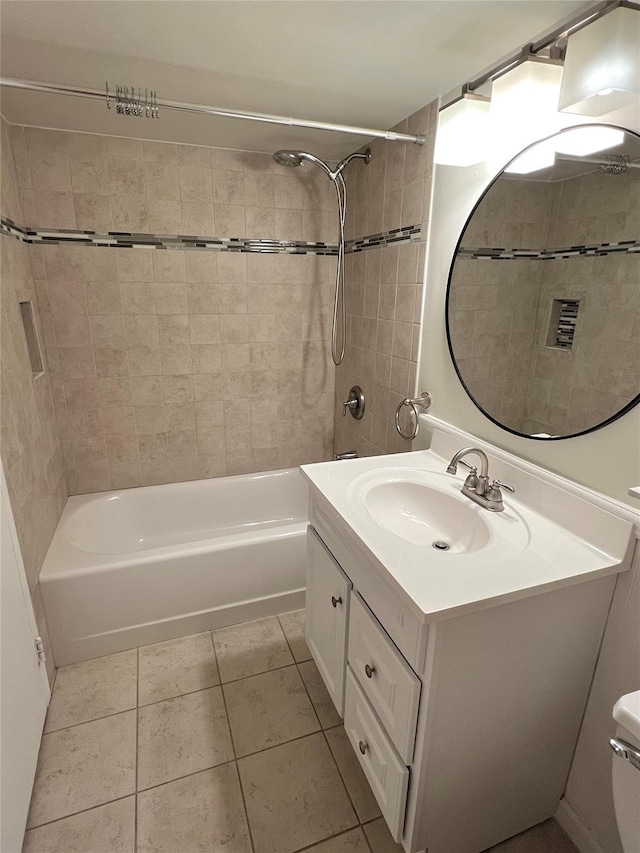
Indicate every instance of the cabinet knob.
{"type": "Point", "coordinates": [336, 601]}
{"type": "Point", "coordinates": [369, 670]}
{"type": "Point", "coordinates": [362, 747]}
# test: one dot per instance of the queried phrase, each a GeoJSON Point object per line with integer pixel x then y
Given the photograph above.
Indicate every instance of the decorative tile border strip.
{"type": "Point", "coordinates": [407, 234]}
{"type": "Point", "coordinates": [131, 240]}
{"type": "Point", "coordinates": [624, 247]}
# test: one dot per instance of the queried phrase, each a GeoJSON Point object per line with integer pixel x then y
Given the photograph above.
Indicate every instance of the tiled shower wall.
{"type": "Point", "coordinates": [30, 447]}
{"type": "Point", "coordinates": [493, 304]}
{"type": "Point", "coordinates": [384, 286]}
{"type": "Point", "coordinates": [599, 376]}
{"type": "Point", "coordinates": [500, 309]}
{"type": "Point", "coordinates": [170, 365]}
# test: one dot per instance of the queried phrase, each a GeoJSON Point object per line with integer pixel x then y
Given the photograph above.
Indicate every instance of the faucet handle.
{"type": "Point", "coordinates": [471, 481]}
{"type": "Point", "coordinates": [498, 484]}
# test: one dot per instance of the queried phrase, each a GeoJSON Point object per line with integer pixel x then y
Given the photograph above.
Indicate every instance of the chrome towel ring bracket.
{"type": "Point", "coordinates": [424, 402]}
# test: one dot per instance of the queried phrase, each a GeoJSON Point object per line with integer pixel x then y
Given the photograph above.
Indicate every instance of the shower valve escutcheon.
{"type": "Point", "coordinates": [354, 403]}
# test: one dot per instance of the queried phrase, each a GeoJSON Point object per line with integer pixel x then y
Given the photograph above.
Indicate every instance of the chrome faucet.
{"type": "Point", "coordinates": [477, 486]}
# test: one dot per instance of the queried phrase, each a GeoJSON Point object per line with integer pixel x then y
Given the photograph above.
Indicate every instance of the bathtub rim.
{"type": "Point", "coordinates": [64, 559]}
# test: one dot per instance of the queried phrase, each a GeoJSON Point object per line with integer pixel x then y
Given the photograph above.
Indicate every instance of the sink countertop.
{"type": "Point", "coordinates": [529, 553]}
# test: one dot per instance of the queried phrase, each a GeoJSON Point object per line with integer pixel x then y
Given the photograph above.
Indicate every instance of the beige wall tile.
{"type": "Point", "coordinates": [169, 266]}
{"type": "Point", "coordinates": [89, 175]}
{"type": "Point", "coordinates": [165, 217]}
{"type": "Point", "coordinates": [147, 390]}
{"type": "Point", "coordinates": [170, 298]}
{"type": "Point", "coordinates": [229, 220]}
{"type": "Point", "coordinates": [126, 178]}
{"type": "Point", "coordinates": [143, 328]}
{"type": "Point", "coordinates": [130, 213]}
{"type": "Point", "coordinates": [176, 359]}
{"type": "Point", "coordinates": [195, 184]}
{"type": "Point", "coordinates": [197, 218]}
{"type": "Point", "coordinates": [135, 265]}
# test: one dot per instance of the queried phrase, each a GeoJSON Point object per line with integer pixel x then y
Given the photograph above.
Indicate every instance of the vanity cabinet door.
{"type": "Point", "coordinates": [328, 591]}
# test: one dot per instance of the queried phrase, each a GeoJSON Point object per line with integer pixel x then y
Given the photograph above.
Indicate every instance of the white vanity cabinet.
{"type": "Point", "coordinates": [328, 599]}
{"type": "Point", "coordinates": [464, 726]}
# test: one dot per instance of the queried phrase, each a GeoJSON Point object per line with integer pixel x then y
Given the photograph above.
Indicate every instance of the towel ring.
{"type": "Point", "coordinates": [424, 401]}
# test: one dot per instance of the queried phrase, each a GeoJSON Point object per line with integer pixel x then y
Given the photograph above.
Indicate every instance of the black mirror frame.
{"type": "Point", "coordinates": [630, 405]}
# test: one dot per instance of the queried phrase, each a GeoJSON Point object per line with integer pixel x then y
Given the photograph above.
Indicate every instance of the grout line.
{"type": "Point", "coordinates": [366, 837]}
{"type": "Point", "coordinates": [300, 674]}
{"type": "Point", "coordinates": [262, 672]}
{"type": "Point", "coordinates": [226, 711]}
{"type": "Point", "coordinates": [331, 837]}
{"type": "Point", "coordinates": [346, 788]}
{"type": "Point", "coordinates": [233, 746]}
{"type": "Point", "coordinates": [277, 745]}
{"type": "Point", "coordinates": [82, 811]}
{"type": "Point", "coordinates": [92, 720]}
{"type": "Point", "coordinates": [135, 810]}
{"type": "Point", "coordinates": [169, 698]}
{"type": "Point", "coordinates": [244, 806]}
{"type": "Point", "coordinates": [304, 684]}
{"type": "Point", "coordinates": [186, 776]}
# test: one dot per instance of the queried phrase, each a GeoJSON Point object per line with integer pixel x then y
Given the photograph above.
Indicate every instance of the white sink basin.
{"type": "Point", "coordinates": [424, 515]}
{"type": "Point", "coordinates": [389, 510]}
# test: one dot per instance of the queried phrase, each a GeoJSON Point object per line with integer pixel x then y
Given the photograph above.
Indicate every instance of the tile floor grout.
{"type": "Point", "coordinates": [221, 684]}
{"type": "Point", "coordinates": [349, 791]}
{"type": "Point", "coordinates": [233, 747]}
{"type": "Point", "coordinates": [135, 801]}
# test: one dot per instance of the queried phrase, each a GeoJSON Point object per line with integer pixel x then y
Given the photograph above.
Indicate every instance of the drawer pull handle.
{"type": "Point", "coordinates": [369, 670]}
{"type": "Point", "coordinates": [362, 747]}
{"type": "Point", "coordinates": [336, 601]}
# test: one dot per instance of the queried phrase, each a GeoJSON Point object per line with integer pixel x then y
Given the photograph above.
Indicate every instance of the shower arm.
{"type": "Point", "coordinates": [184, 106]}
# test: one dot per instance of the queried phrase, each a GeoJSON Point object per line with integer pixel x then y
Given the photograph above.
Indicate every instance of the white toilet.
{"type": "Point", "coordinates": [626, 770]}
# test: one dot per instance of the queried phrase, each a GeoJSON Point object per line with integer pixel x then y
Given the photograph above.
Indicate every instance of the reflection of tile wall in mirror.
{"type": "Point", "coordinates": [499, 337]}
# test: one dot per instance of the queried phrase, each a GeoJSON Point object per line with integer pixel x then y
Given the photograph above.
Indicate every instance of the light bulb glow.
{"type": "Point", "coordinates": [524, 104]}
{"type": "Point", "coordinates": [463, 133]}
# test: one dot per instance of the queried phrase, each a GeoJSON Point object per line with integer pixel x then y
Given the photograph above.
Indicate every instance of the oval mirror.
{"type": "Point", "coordinates": [543, 300]}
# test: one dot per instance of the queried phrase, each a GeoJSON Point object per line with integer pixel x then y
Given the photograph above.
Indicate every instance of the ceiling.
{"type": "Point", "coordinates": [359, 62]}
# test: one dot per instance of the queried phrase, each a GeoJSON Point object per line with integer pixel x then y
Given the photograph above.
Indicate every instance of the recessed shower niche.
{"type": "Point", "coordinates": [543, 303]}
{"type": "Point", "coordinates": [563, 320]}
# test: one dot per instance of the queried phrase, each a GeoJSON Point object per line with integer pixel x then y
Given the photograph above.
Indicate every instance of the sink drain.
{"type": "Point", "coordinates": [439, 545]}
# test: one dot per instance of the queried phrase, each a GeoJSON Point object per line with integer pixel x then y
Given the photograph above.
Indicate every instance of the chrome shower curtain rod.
{"type": "Point", "coordinates": [183, 106]}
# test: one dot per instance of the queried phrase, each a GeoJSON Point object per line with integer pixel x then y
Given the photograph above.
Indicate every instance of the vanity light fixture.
{"type": "Point", "coordinates": [602, 65]}
{"type": "Point", "coordinates": [524, 105]}
{"type": "Point", "coordinates": [463, 132]}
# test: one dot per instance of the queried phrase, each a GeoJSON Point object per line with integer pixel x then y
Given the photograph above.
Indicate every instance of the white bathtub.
{"type": "Point", "coordinates": [142, 565]}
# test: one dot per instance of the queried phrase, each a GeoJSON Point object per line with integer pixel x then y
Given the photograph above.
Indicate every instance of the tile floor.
{"type": "Point", "coordinates": [223, 741]}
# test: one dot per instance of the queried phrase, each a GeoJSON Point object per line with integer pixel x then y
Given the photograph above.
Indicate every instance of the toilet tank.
{"type": "Point", "coordinates": [626, 770]}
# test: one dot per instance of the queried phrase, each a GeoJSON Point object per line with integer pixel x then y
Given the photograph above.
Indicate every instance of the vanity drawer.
{"type": "Point", "coordinates": [390, 684]}
{"type": "Point", "coordinates": [387, 775]}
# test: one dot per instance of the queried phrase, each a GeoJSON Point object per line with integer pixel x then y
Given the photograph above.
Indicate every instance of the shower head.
{"type": "Point", "coordinates": [287, 158]}
{"type": "Point", "coordinates": [295, 158]}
